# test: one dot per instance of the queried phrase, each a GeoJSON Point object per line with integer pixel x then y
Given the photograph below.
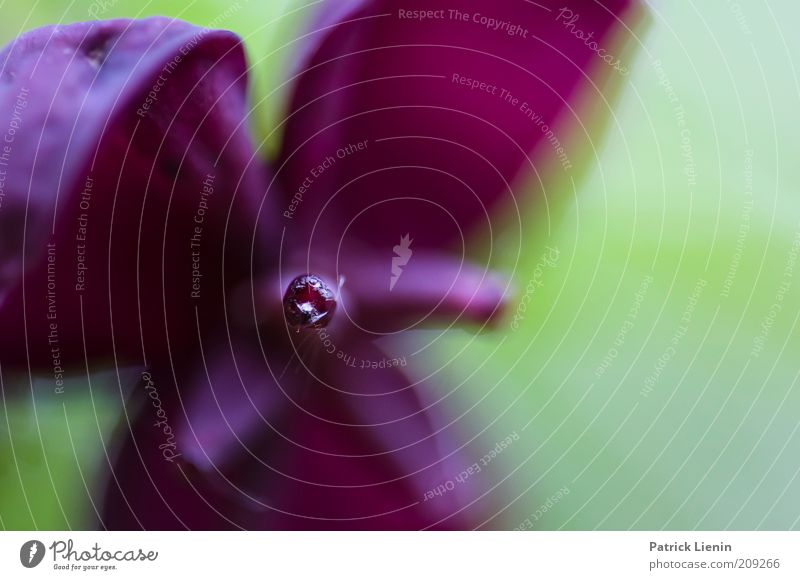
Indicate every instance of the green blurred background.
{"type": "Point", "coordinates": [652, 379]}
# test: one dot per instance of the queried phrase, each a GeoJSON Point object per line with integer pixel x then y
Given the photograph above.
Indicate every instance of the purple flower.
{"type": "Point", "coordinates": [141, 229]}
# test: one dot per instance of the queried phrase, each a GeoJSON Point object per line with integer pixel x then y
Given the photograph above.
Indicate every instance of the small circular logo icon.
{"type": "Point", "coordinates": [31, 553]}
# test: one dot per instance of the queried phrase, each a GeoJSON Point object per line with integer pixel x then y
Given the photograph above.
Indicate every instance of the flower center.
{"type": "Point", "coordinates": [309, 302]}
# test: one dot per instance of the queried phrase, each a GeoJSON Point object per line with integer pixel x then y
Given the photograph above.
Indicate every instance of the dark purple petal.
{"type": "Point", "coordinates": [128, 133]}
{"type": "Point", "coordinates": [230, 398]}
{"type": "Point", "coordinates": [390, 130]}
{"type": "Point", "coordinates": [428, 289]}
{"type": "Point", "coordinates": [412, 431]}
{"type": "Point", "coordinates": [149, 485]}
{"type": "Point", "coordinates": [331, 460]}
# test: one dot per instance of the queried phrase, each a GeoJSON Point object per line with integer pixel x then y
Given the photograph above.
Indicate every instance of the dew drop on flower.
{"type": "Point", "coordinates": [309, 302]}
